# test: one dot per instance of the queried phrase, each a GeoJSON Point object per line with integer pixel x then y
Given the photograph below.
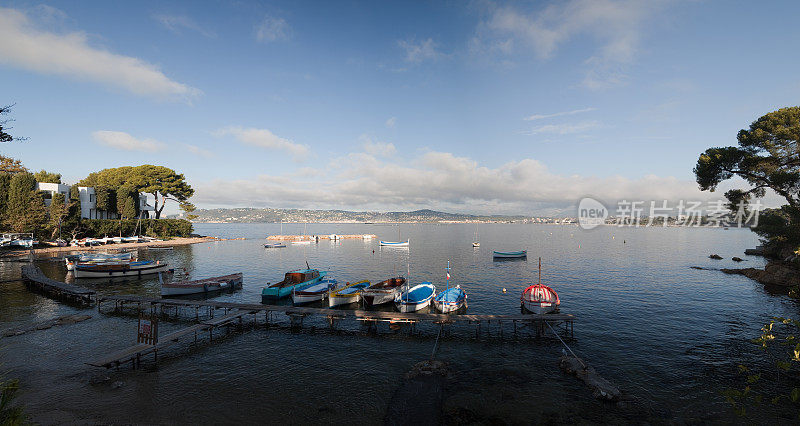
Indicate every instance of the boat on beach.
{"type": "Point", "coordinates": [350, 293]}
{"type": "Point", "coordinates": [451, 299]}
{"type": "Point", "coordinates": [415, 298]}
{"type": "Point", "coordinates": [292, 279]}
{"type": "Point", "coordinates": [203, 286]}
{"type": "Point", "coordinates": [511, 254]}
{"type": "Point", "coordinates": [309, 293]}
{"type": "Point", "coordinates": [119, 269]}
{"type": "Point", "coordinates": [539, 298]}
{"type": "Point", "coordinates": [383, 292]}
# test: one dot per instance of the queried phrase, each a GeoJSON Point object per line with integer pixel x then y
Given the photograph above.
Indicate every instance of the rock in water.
{"type": "Point", "coordinates": [715, 257]}
{"type": "Point", "coordinates": [737, 259]}
{"type": "Point", "coordinates": [601, 388]}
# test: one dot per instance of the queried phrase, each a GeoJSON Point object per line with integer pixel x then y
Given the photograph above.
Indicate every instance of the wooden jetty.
{"type": "Point", "coordinates": [35, 278]}
{"type": "Point", "coordinates": [321, 237]}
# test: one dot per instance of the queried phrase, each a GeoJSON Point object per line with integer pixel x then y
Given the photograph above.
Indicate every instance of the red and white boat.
{"type": "Point", "coordinates": [539, 298]}
{"type": "Point", "coordinates": [206, 285]}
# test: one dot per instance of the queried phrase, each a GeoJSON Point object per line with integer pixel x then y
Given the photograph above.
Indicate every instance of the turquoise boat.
{"type": "Point", "coordinates": [298, 278]}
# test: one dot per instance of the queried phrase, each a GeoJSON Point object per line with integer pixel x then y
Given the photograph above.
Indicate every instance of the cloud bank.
{"type": "Point", "coordinates": [126, 142]}
{"type": "Point", "coordinates": [25, 46]}
{"type": "Point", "coordinates": [264, 138]}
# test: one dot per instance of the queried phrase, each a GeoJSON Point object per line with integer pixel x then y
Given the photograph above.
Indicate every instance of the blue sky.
{"type": "Point", "coordinates": [463, 106]}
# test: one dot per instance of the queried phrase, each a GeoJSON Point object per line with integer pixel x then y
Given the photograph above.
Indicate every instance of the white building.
{"type": "Point", "coordinates": [51, 189]}
{"type": "Point", "coordinates": [88, 200]}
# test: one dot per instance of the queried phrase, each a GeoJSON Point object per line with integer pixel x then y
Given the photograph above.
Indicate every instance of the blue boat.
{"type": "Point", "coordinates": [511, 254]}
{"type": "Point", "coordinates": [293, 279]}
{"type": "Point", "coordinates": [415, 298]}
{"type": "Point", "coordinates": [452, 299]}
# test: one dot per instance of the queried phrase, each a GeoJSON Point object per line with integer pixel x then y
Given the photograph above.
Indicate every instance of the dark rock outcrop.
{"type": "Point", "coordinates": [715, 257]}
{"type": "Point", "coordinates": [778, 273]}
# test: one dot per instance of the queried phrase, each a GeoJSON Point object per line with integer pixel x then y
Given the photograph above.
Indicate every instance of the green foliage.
{"type": "Point", "coordinates": [26, 211]}
{"type": "Point", "coordinates": [10, 165]}
{"type": "Point", "coordinates": [780, 228]}
{"type": "Point", "coordinates": [11, 414]}
{"type": "Point", "coordinates": [779, 341]}
{"type": "Point", "coordinates": [128, 201]}
{"type": "Point", "coordinates": [105, 199]}
{"type": "Point", "coordinates": [162, 228]}
{"type": "Point", "coordinates": [43, 176]}
{"type": "Point", "coordinates": [57, 212]}
{"type": "Point", "coordinates": [188, 208]}
{"type": "Point", "coordinates": [162, 182]}
{"type": "Point", "coordinates": [5, 181]}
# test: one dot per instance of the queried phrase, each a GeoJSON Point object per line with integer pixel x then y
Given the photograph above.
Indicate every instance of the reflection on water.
{"type": "Point", "coordinates": [659, 329]}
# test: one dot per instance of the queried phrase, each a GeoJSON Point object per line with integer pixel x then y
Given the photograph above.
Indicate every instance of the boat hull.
{"type": "Point", "coordinates": [343, 300]}
{"type": "Point", "coordinates": [379, 297]}
{"type": "Point", "coordinates": [416, 298]}
{"type": "Point", "coordinates": [539, 307]}
{"type": "Point", "coordinates": [80, 272]}
{"type": "Point", "coordinates": [511, 254]}
{"type": "Point", "coordinates": [208, 285]}
{"type": "Point", "coordinates": [450, 300]}
{"type": "Point", "coordinates": [274, 292]}
{"type": "Point", "coordinates": [394, 243]}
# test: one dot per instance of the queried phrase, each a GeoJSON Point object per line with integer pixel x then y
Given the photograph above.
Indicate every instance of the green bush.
{"type": "Point", "coordinates": [161, 228]}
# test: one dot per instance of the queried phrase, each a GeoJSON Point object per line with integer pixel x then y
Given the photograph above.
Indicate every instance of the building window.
{"type": "Point", "coordinates": [91, 198]}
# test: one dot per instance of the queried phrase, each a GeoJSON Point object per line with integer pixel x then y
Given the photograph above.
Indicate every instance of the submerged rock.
{"type": "Point", "coordinates": [715, 257]}
{"type": "Point", "coordinates": [737, 259]}
{"type": "Point", "coordinates": [601, 388]}
{"type": "Point", "coordinates": [44, 325]}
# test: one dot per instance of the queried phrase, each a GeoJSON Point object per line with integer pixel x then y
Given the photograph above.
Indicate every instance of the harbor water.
{"type": "Point", "coordinates": [663, 332]}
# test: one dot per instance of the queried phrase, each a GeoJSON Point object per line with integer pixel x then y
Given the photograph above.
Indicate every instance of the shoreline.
{"type": "Point", "coordinates": [179, 241]}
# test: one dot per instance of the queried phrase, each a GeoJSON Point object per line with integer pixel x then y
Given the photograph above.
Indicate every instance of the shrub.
{"type": "Point", "coordinates": [161, 228]}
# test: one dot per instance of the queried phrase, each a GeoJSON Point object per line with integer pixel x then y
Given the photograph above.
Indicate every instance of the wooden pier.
{"type": "Point", "coordinates": [35, 278]}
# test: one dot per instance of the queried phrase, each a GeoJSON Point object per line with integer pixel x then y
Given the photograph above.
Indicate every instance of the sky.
{"type": "Point", "coordinates": [474, 107]}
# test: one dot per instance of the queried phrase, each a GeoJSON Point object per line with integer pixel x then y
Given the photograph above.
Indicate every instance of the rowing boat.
{"type": "Point", "coordinates": [309, 293]}
{"type": "Point", "coordinates": [415, 298]}
{"type": "Point", "coordinates": [383, 292]}
{"type": "Point", "coordinates": [350, 293]}
{"type": "Point", "coordinates": [119, 269]}
{"type": "Point", "coordinates": [290, 281]}
{"type": "Point", "coordinates": [206, 285]}
{"type": "Point", "coordinates": [511, 254]}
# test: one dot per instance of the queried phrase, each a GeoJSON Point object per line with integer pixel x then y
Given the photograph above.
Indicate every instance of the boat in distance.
{"type": "Point", "coordinates": [205, 285]}
{"type": "Point", "coordinates": [511, 254]}
{"type": "Point", "coordinates": [383, 292]}
{"type": "Point", "coordinates": [119, 269]}
{"type": "Point", "coordinates": [290, 281]}
{"type": "Point", "coordinates": [415, 298]}
{"type": "Point", "coordinates": [309, 293]}
{"type": "Point", "coordinates": [394, 243]}
{"type": "Point", "coordinates": [350, 293]}
{"type": "Point", "coordinates": [274, 245]}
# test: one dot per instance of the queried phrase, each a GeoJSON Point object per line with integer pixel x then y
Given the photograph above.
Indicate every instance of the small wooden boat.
{"type": "Point", "coordinates": [165, 248]}
{"type": "Point", "coordinates": [452, 299]}
{"type": "Point", "coordinates": [415, 298]}
{"type": "Point", "coordinates": [73, 260]}
{"type": "Point", "coordinates": [119, 269]}
{"type": "Point", "coordinates": [313, 292]}
{"type": "Point", "coordinates": [394, 243]}
{"type": "Point", "coordinates": [511, 254]}
{"type": "Point", "coordinates": [274, 245]}
{"type": "Point", "coordinates": [350, 293]}
{"type": "Point", "coordinates": [539, 298]}
{"type": "Point", "coordinates": [290, 281]}
{"type": "Point", "coordinates": [383, 292]}
{"type": "Point", "coordinates": [206, 285]}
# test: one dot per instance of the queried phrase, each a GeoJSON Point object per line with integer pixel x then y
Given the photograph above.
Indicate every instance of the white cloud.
{"type": "Point", "coordinates": [616, 25]}
{"type": "Point", "coordinates": [377, 148]}
{"type": "Point", "coordinates": [391, 122]}
{"type": "Point", "coordinates": [25, 46]}
{"type": "Point", "coordinates": [564, 129]}
{"type": "Point", "coordinates": [273, 29]}
{"type": "Point", "coordinates": [200, 152]}
{"type": "Point", "coordinates": [126, 142]}
{"type": "Point", "coordinates": [178, 23]}
{"type": "Point", "coordinates": [419, 51]}
{"type": "Point", "coordinates": [265, 139]}
{"type": "Point", "coordinates": [557, 114]}
{"type": "Point", "coordinates": [443, 181]}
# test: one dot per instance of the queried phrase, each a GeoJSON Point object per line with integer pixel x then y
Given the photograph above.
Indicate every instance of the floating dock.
{"type": "Point", "coordinates": [321, 237]}
{"type": "Point", "coordinates": [35, 278]}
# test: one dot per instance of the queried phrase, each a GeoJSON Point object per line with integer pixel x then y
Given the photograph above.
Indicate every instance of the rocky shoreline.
{"type": "Point", "coordinates": [782, 270]}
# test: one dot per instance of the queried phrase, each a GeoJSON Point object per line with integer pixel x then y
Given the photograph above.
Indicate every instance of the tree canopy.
{"type": "Point", "coordinates": [44, 176]}
{"type": "Point", "coordinates": [11, 165]}
{"type": "Point", "coordinates": [4, 135]}
{"type": "Point", "coordinates": [161, 182]}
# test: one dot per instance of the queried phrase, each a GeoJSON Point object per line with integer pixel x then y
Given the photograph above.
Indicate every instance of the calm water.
{"type": "Point", "coordinates": [665, 333]}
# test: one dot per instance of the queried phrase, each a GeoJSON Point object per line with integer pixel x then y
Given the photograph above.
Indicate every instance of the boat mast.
{"type": "Point", "coordinates": [447, 276]}
{"type": "Point", "coordinates": [540, 271]}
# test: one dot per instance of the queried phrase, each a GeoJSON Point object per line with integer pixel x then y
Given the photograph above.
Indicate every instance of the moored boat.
{"type": "Point", "coordinates": [350, 293]}
{"type": "Point", "coordinates": [290, 281]}
{"type": "Point", "coordinates": [383, 292]}
{"type": "Point", "coordinates": [451, 299]}
{"type": "Point", "coordinates": [539, 298]}
{"type": "Point", "coordinates": [73, 260]}
{"type": "Point", "coordinates": [415, 298]}
{"type": "Point", "coordinates": [165, 248]}
{"type": "Point", "coordinates": [119, 269]}
{"type": "Point", "coordinates": [274, 245]}
{"type": "Point", "coordinates": [394, 243]}
{"type": "Point", "coordinates": [206, 285]}
{"type": "Point", "coordinates": [511, 254]}
{"type": "Point", "coordinates": [314, 292]}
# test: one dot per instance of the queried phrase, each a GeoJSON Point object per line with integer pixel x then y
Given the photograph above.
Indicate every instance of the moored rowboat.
{"type": "Point", "coordinates": [415, 298]}
{"type": "Point", "coordinates": [206, 285]}
{"type": "Point", "coordinates": [383, 292]}
{"type": "Point", "coordinates": [394, 243]}
{"type": "Point", "coordinates": [313, 292]}
{"type": "Point", "coordinates": [290, 281]}
{"type": "Point", "coordinates": [511, 254]}
{"type": "Point", "coordinates": [350, 293]}
{"type": "Point", "coordinates": [119, 269]}
{"type": "Point", "coordinates": [450, 300]}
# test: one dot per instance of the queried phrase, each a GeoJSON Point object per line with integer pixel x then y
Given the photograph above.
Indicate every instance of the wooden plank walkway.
{"type": "Point", "coordinates": [135, 352]}
{"type": "Point", "coordinates": [35, 278]}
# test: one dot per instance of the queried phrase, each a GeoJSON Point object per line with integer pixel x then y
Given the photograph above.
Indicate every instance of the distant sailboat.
{"type": "Point", "coordinates": [475, 242]}
{"type": "Point", "coordinates": [397, 243]}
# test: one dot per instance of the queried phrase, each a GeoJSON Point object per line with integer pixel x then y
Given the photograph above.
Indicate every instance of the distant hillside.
{"type": "Point", "coordinates": [252, 215]}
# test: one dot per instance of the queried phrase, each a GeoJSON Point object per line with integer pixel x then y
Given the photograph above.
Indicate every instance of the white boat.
{"type": "Point", "coordinates": [383, 292]}
{"type": "Point", "coordinates": [415, 298]}
{"type": "Point", "coordinates": [119, 269]}
{"type": "Point", "coordinates": [334, 237]}
{"type": "Point", "coordinates": [475, 242]}
{"type": "Point", "coordinates": [452, 299]}
{"type": "Point", "coordinates": [73, 260]}
{"type": "Point", "coordinates": [207, 285]}
{"type": "Point", "coordinates": [302, 242]}
{"type": "Point", "coordinates": [394, 243]}
{"type": "Point", "coordinates": [159, 247]}
{"type": "Point", "coordinates": [350, 293]}
{"type": "Point", "coordinates": [18, 240]}
{"type": "Point", "coordinates": [313, 292]}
